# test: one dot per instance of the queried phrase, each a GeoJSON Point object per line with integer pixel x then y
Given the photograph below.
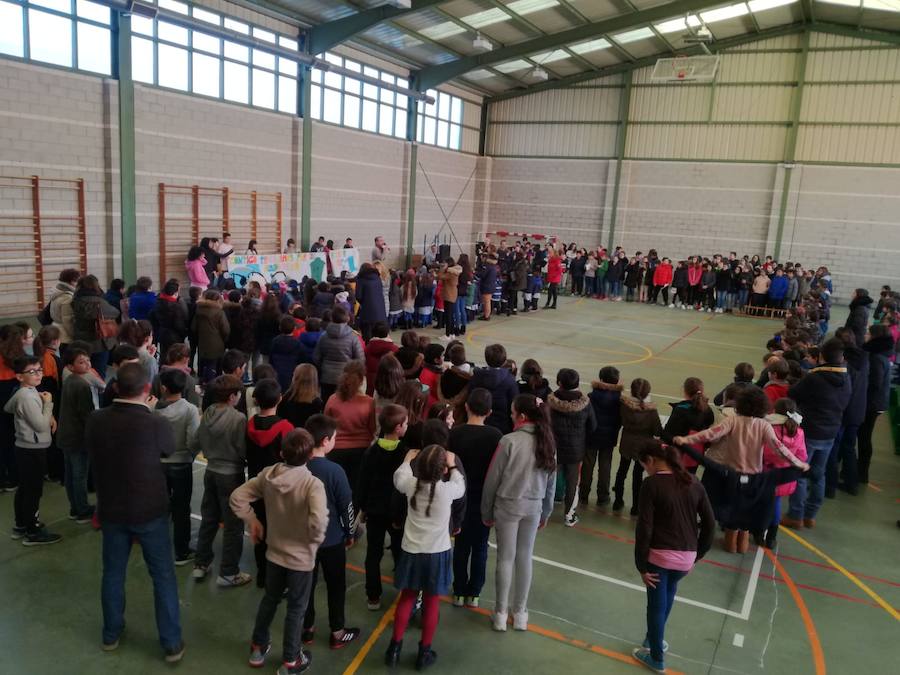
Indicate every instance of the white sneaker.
{"type": "Point", "coordinates": [234, 580]}
{"type": "Point", "coordinates": [472, 601]}
{"type": "Point", "coordinates": [571, 521]}
{"type": "Point", "coordinates": [459, 601]}
{"type": "Point", "coordinates": [520, 620]}
{"type": "Point", "coordinates": [671, 305]}
{"type": "Point", "coordinates": [498, 621]}
{"type": "Point", "coordinates": [444, 338]}
{"type": "Point", "coordinates": [684, 307]}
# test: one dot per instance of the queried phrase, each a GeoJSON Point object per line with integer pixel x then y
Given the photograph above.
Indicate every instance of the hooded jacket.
{"type": "Point", "coordinates": [772, 460]}
{"type": "Point", "coordinates": [264, 436]}
{"type": "Point", "coordinates": [169, 318]}
{"type": "Point", "coordinates": [695, 273]}
{"type": "Point", "coordinates": [684, 420]}
{"type": "Point", "coordinates": [822, 396]}
{"type": "Point", "coordinates": [140, 303]}
{"type": "Point", "coordinates": [222, 438]}
{"type": "Point", "coordinates": [450, 279]}
{"type": "Point", "coordinates": [32, 418]}
{"type": "Point", "coordinates": [296, 513]}
{"type": "Point", "coordinates": [879, 350]}
{"type": "Point", "coordinates": [857, 362]}
{"type": "Point", "coordinates": [858, 320]}
{"type": "Point", "coordinates": [554, 270]}
{"type": "Point", "coordinates": [518, 279]}
{"type": "Point", "coordinates": [778, 288]}
{"type": "Point", "coordinates": [640, 421]}
{"type": "Point", "coordinates": [606, 401]}
{"type": "Point", "coordinates": [376, 349]}
{"type": "Point", "coordinates": [284, 355]}
{"type": "Point", "coordinates": [61, 311]}
{"type": "Point", "coordinates": [375, 488]}
{"type": "Point", "coordinates": [487, 279]}
{"type": "Point", "coordinates": [572, 419]}
{"type": "Point", "coordinates": [196, 272]}
{"type": "Point", "coordinates": [211, 328]}
{"type": "Point", "coordinates": [338, 345]}
{"type": "Point", "coordinates": [370, 296]}
{"type": "Point", "coordinates": [680, 277]}
{"type": "Point", "coordinates": [503, 388]}
{"type": "Point", "coordinates": [542, 391]}
{"type": "Point", "coordinates": [662, 275]}
{"type": "Point", "coordinates": [87, 307]}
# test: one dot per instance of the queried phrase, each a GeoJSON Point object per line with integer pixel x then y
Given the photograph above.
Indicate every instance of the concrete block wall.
{"type": "Point", "coordinates": [55, 124]}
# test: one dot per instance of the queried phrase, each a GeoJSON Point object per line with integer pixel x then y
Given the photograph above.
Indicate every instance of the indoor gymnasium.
{"type": "Point", "coordinates": [469, 336]}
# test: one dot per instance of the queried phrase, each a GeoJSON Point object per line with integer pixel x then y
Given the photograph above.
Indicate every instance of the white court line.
{"type": "Point", "coordinates": [744, 614]}
{"type": "Point", "coordinates": [738, 640]}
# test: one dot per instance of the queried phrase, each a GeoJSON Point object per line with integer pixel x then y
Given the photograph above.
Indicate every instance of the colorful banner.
{"type": "Point", "coordinates": [345, 260]}
{"type": "Point", "coordinates": [276, 268]}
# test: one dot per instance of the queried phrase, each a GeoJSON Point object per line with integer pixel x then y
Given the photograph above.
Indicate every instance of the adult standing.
{"type": "Point", "coordinates": [126, 442]}
{"type": "Point", "coordinates": [449, 277]}
{"type": "Point", "coordinates": [486, 283]}
{"type": "Point", "coordinates": [208, 246]}
{"type": "Point", "coordinates": [858, 319]}
{"type": "Point", "coordinates": [554, 278]}
{"type": "Point", "coordinates": [843, 453]}
{"type": "Point", "coordinates": [462, 288]}
{"type": "Point", "coordinates": [431, 255]}
{"type": "Point", "coordinates": [370, 296]}
{"type": "Point", "coordinates": [822, 396]}
{"type": "Point", "coordinates": [880, 348]}
{"type": "Point", "coordinates": [61, 306]}
{"type": "Point", "coordinates": [381, 249]}
{"type": "Point", "coordinates": [88, 307]}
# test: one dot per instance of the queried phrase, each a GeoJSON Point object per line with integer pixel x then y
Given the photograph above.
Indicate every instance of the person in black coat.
{"type": "Point", "coordinates": [858, 319]}
{"type": "Point", "coordinates": [500, 382]}
{"type": "Point", "coordinates": [880, 347]}
{"type": "Point", "coordinates": [576, 271]}
{"type": "Point", "coordinates": [844, 451]}
{"type": "Point", "coordinates": [169, 317]}
{"type": "Point", "coordinates": [486, 283]}
{"type": "Point", "coordinates": [370, 296]}
{"type": "Point", "coordinates": [572, 419]}
{"type": "Point", "coordinates": [689, 416]}
{"type": "Point", "coordinates": [743, 377]}
{"type": "Point", "coordinates": [605, 398]}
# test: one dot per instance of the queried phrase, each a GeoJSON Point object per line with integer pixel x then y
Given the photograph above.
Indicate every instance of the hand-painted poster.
{"type": "Point", "coordinates": [276, 268]}
{"type": "Point", "coordinates": [345, 260]}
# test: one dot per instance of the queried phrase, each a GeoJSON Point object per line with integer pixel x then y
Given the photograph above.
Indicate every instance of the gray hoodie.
{"type": "Point", "coordinates": [222, 438]}
{"type": "Point", "coordinates": [513, 480]}
{"type": "Point", "coordinates": [185, 420]}
{"type": "Point", "coordinates": [33, 416]}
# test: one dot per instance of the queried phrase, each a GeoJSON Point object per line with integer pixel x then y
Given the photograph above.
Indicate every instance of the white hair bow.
{"type": "Point", "coordinates": [797, 417]}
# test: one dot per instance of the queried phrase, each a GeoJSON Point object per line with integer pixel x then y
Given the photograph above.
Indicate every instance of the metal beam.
{"type": "Point", "coordinates": [435, 75]}
{"type": "Point", "coordinates": [327, 35]}
{"type": "Point", "coordinates": [727, 43]}
{"type": "Point", "coordinates": [809, 12]}
{"type": "Point", "coordinates": [621, 137]}
{"type": "Point", "coordinates": [306, 173]}
{"type": "Point", "coordinates": [853, 32]}
{"type": "Point", "coordinates": [412, 120]}
{"type": "Point", "coordinates": [790, 142]}
{"type": "Point", "coordinates": [127, 194]}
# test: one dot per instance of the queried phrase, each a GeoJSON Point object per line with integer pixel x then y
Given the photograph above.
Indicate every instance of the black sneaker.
{"type": "Point", "coordinates": [301, 665]}
{"type": "Point", "coordinates": [84, 518]}
{"type": "Point", "coordinates": [634, 510]}
{"type": "Point", "coordinates": [308, 635]}
{"type": "Point", "coordinates": [618, 505]}
{"type": "Point", "coordinates": [175, 654]}
{"type": "Point", "coordinates": [41, 538]}
{"type": "Point", "coordinates": [184, 558]}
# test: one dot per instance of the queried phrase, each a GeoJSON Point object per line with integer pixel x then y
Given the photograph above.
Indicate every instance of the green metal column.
{"type": "Point", "coordinates": [127, 199]}
{"type": "Point", "coordinates": [790, 143]}
{"type": "Point", "coordinates": [621, 137]}
{"type": "Point", "coordinates": [306, 172]}
{"type": "Point", "coordinates": [482, 131]}
{"type": "Point", "coordinates": [411, 123]}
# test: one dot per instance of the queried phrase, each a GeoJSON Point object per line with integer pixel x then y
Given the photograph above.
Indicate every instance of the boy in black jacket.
{"type": "Point", "coordinates": [605, 397]}
{"type": "Point", "coordinates": [572, 418]}
{"type": "Point", "coordinates": [373, 495]}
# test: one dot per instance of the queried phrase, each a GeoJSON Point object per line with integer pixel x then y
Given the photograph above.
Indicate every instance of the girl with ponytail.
{"type": "Point", "coordinates": [640, 423]}
{"type": "Point", "coordinates": [668, 540]}
{"type": "Point", "coordinates": [785, 423]}
{"type": "Point", "coordinates": [517, 500]}
{"type": "Point", "coordinates": [689, 416]}
{"type": "Point", "coordinates": [426, 562]}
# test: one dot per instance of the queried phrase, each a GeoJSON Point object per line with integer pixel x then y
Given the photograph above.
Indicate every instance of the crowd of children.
{"type": "Point", "coordinates": [315, 434]}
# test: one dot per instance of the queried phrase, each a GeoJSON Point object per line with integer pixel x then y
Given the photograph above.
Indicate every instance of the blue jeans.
{"type": "Point", "coordinates": [842, 459]}
{"type": "Point", "coordinates": [615, 288]}
{"type": "Point", "coordinates": [659, 605]}
{"type": "Point", "coordinates": [589, 285]}
{"type": "Point", "coordinates": [720, 299]}
{"type": "Point", "coordinates": [743, 295]}
{"type": "Point", "coordinates": [156, 546]}
{"type": "Point", "coordinates": [459, 312]}
{"type": "Point", "coordinates": [471, 545]}
{"type": "Point", "coordinates": [810, 493]}
{"type": "Point", "coordinates": [76, 482]}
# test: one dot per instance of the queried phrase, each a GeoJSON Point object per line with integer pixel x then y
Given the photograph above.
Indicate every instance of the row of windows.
{"type": "Point", "coordinates": [76, 34]}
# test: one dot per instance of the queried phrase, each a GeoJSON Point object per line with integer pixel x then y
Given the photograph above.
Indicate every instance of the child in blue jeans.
{"type": "Point", "coordinates": [668, 541]}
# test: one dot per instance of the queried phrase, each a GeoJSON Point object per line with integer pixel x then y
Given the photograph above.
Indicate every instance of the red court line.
{"type": "Point", "coordinates": [813, 563]}
{"type": "Point", "coordinates": [677, 340]}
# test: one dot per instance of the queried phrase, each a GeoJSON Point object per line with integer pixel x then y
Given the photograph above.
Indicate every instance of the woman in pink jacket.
{"type": "Point", "coordinates": [195, 263]}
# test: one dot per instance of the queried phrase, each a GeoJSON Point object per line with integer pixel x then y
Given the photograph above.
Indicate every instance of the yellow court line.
{"type": "Point", "coordinates": [847, 573]}
{"type": "Point", "coordinates": [373, 638]}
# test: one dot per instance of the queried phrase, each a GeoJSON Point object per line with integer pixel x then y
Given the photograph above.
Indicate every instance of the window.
{"type": "Point", "coordinates": [440, 123]}
{"type": "Point", "coordinates": [50, 38]}
{"type": "Point", "coordinates": [12, 34]}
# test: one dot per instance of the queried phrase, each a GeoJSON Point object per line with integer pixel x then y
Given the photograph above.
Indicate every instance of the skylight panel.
{"type": "Point", "coordinates": [530, 6]}
{"type": "Point", "coordinates": [633, 35]}
{"type": "Point", "coordinates": [486, 18]}
{"type": "Point", "coordinates": [679, 24]}
{"type": "Point", "coordinates": [513, 66]}
{"type": "Point", "coordinates": [883, 5]}
{"type": "Point", "coordinates": [442, 30]}
{"type": "Point", "coordinates": [763, 5]}
{"type": "Point", "coordinates": [724, 13]}
{"type": "Point", "coordinates": [591, 46]}
{"type": "Point", "coordinates": [550, 57]}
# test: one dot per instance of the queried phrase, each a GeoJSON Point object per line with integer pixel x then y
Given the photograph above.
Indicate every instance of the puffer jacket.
{"type": "Point", "coordinates": [519, 275]}
{"type": "Point", "coordinates": [879, 350]}
{"type": "Point", "coordinates": [86, 309]}
{"type": "Point", "coordinates": [503, 388]}
{"type": "Point", "coordinates": [211, 328]}
{"type": "Point", "coordinates": [376, 348]}
{"type": "Point", "coordinates": [822, 396]}
{"type": "Point", "coordinates": [857, 362]}
{"type": "Point", "coordinates": [640, 422]}
{"type": "Point", "coordinates": [858, 320]}
{"type": "Point", "coordinates": [369, 295]}
{"type": "Point", "coordinates": [772, 460]}
{"type": "Point", "coordinates": [605, 400]}
{"type": "Point", "coordinates": [338, 345]}
{"type": "Point", "coordinates": [572, 419]}
{"type": "Point", "coordinates": [61, 311]}
{"type": "Point", "coordinates": [170, 321]}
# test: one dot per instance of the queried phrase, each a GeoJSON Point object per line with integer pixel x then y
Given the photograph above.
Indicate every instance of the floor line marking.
{"type": "Point", "coordinates": [373, 638]}
{"type": "Point", "coordinates": [678, 339]}
{"type": "Point", "coordinates": [823, 566]}
{"type": "Point", "coordinates": [852, 577]}
{"type": "Point", "coordinates": [738, 640]}
{"type": "Point", "coordinates": [752, 584]}
{"type": "Point", "coordinates": [814, 643]}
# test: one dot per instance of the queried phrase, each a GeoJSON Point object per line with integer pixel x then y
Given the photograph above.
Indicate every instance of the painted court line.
{"type": "Point", "coordinates": [744, 614]}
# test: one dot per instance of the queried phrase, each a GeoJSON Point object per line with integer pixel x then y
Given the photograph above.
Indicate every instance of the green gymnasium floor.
{"type": "Point", "coordinates": [825, 604]}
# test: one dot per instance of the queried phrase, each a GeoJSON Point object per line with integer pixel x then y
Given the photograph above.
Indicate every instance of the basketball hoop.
{"type": "Point", "coordinates": [681, 66]}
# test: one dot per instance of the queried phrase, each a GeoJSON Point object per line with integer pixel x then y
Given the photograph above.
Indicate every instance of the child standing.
{"type": "Point", "coordinates": [785, 423]}
{"type": "Point", "coordinates": [777, 386]}
{"type": "Point", "coordinates": [34, 425]}
{"type": "Point", "coordinates": [298, 518]}
{"type": "Point", "coordinates": [605, 399]}
{"type": "Point", "coordinates": [222, 438]}
{"type": "Point", "coordinates": [689, 416]}
{"type": "Point", "coordinates": [640, 422]}
{"type": "Point", "coordinates": [185, 420]}
{"type": "Point", "coordinates": [432, 370]}
{"type": "Point", "coordinates": [373, 495]}
{"type": "Point", "coordinates": [426, 562]}
{"type": "Point", "coordinates": [668, 541]}
{"type": "Point", "coordinates": [76, 406]}
{"type": "Point", "coordinates": [332, 553]}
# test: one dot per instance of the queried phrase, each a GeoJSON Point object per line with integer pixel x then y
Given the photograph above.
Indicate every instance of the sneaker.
{"type": "Point", "coordinates": [110, 646]}
{"type": "Point", "coordinates": [520, 620]}
{"type": "Point", "coordinates": [258, 655]}
{"type": "Point", "coordinates": [308, 635]}
{"type": "Point", "coordinates": [373, 604]}
{"type": "Point", "coordinates": [184, 558]}
{"type": "Point", "coordinates": [18, 532]}
{"type": "Point", "coordinates": [200, 572]}
{"type": "Point", "coordinates": [472, 602]}
{"type": "Point", "coordinates": [301, 665]}
{"type": "Point", "coordinates": [646, 645]}
{"type": "Point", "coordinates": [41, 538]}
{"type": "Point", "coordinates": [459, 601]}
{"type": "Point", "coordinates": [234, 580]}
{"type": "Point", "coordinates": [793, 523]}
{"type": "Point", "coordinates": [498, 621]}
{"type": "Point", "coordinates": [84, 518]}
{"type": "Point", "coordinates": [572, 520]}
{"type": "Point", "coordinates": [445, 338]}
{"type": "Point", "coordinates": [348, 636]}
{"type": "Point", "coordinates": [175, 654]}
{"type": "Point", "coordinates": [671, 305]}
{"type": "Point", "coordinates": [642, 656]}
